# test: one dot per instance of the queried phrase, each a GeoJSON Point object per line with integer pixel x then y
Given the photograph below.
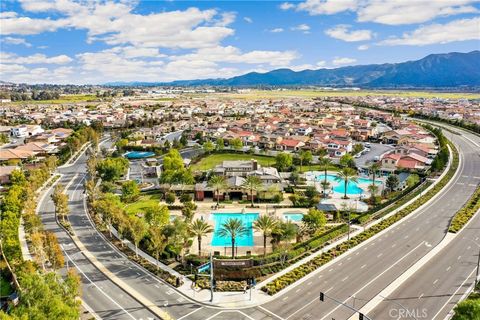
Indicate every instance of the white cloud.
{"type": "Point", "coordinates": [287, 6]}
{"type": "Point", "coordinates": [16, 41]}
{"type": "Point", "coordinates": [342, 32]}
{"type": "Point", "coordinates": [457, 30]}
{"type": "Point", "coordinates": [276, 30]}
{"type": "Point", "coordinates": [232, 54]}
{"type": "Point", "coordinates": [34, 59]}
{"type": "Point", "coordinates": [305, 28]}
{"type": "Point", "coordinates": [343, 61]}
{"type": "Point", "coordinates": [390, 12]}
{"type": "Point", "coordinates": [12, 68]}
{"type": "Point", "coordinates": [363, 47]}
{"type": "Point", "coordinates": [321, 63]}
{"type": "Point", "coordinates": [248, 19]}
{"type": "Point", "coordinates": [316, 7]}
{"type": "Point", "coordinates": [408, 12]}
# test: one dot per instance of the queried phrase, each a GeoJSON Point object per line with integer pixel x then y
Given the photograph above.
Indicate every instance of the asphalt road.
{"type": "Point", "coordinates": [361, 274]}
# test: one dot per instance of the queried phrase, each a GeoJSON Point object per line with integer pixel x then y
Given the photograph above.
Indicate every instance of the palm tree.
{"type": "Point", "coordinates": [346, 175]}
{"type": "Point", "coordinates": [218, 183]}
{"type": "Point", "coordinates": [200, 228]}
{"type": "Point", "coordinates": [252, 183]}
{"type": "Point", "coordinates": [232, 228]}
{"type": "Point", "coordinates": [373, 169]}
{"type": "Point", "coordinates": [157, 242]}
{"type": "Point", "coordinates": [266, 225]}
{"type": "Point", "coordinates": [325, 163]}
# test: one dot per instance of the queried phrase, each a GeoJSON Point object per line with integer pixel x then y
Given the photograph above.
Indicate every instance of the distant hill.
{"type": "Point", "coordinates": [449, 70]}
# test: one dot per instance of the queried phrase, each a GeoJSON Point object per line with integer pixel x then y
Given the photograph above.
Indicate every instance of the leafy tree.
{"type": "Point", "coordinates": [53, 251]}
{"type": "Point", "coordinates": [138, 229]}
{"type": "Point", "coordinates": [170, 198]}
{"type": "Point", "coordinates": [3, 138]}
{"type": "Point", "coordinates": [37, 240]}
{"type": "Point", "coordinates": [305, 157]}
{"type": "Point", "coordinates": [314, 219]}
{"type": "Point", "coordinates": [283, 161]}
{"type": "Point", "coordinates": [188, 210]}
{"type": "Point", "coordinates": [218, 183]}
{"type": "Point", "coordinates": [157, 215]}
{"type": "Point", "coordinates": [208, 146]}
{"type": "Point", "coordinates": [51, 163]}
{"type": "Point", "coordinates": [347, 161]}
{"type": "Point", "coordinates": [199, 229]}
{"type": "Point", "coordinates": [121, 144]}
{"type": "Point", "coordinates": [285, 231]}
{"type": "Point", "coordinates": [232, 228]}
{"type": "Point", "coordinates": [220, 145]}
{"type": "Point", "coordinates": [357, 148]}
{"type": "Point", "coordinates": [111, 169]}
{"type": "Point", "coordinates": [413, 179]}
{"type": "Point", "coordinates": [236, 143]}
{"type": "Point", "coordinates": [467, 310]}
{"type": "Point", "coordinates": [185, 197]}
{"type": "Point", "coordinates": [130, 191]}
{"type": "Point", "coordinates": [346, 175]}
{"type": "Point", "coordinates": [392, 182]}
{"type": "Point", "coordinates": [174, 171]}
{"type": "Point", "coordinates": [92, 166]}
{"type": "Point", "coordinates": [266, 225]}
{"type": "Point", "coordinates": [252, 183]}
{"type": "Point", "coordinates": [17, 177]}
{"type": "Point", "coordinates": [157, 242]}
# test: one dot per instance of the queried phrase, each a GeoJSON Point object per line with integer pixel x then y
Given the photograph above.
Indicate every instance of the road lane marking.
{"type": "Point", "coordinates": [183, 317]}
{"type": "Point", "coordinates": [448, 268]}
{"type": "Point", "coordinates": [268, 311]}
{"type": "Point", "coordinates": [303, 307]}
{"type": "Point", "coordinates": [436, 280]}
{"type": "Point", "coordinates": [363, 266]}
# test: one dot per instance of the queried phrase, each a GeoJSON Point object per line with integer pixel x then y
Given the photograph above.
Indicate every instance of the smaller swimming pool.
{"type": "Point", "coordinates": [295, 217]}
{"type": "Point", "coordinates": [245, 240]}
{"type": "Point", "coordinates": [138, 154]}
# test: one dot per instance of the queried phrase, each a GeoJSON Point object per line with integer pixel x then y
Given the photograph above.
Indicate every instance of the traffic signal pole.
{"type": "Point", "coordinates": [361, 316]}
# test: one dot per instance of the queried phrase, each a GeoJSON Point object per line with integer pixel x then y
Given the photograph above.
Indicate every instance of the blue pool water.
{"type": "Point", "coordinates": [293, 216]}
{"type": "Point", "coordinates": [352, 187]}
{"type": "Point", "coordinates": [245, 240]}
{"type": "Point", "coordinates": [138, 154]}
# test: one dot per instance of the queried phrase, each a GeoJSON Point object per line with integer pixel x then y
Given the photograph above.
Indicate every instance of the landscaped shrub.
{"type": "Point", "coordinates": [466, 213]}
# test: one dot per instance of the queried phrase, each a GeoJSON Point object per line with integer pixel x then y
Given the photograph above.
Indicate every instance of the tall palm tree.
{"type": "Point", "coordinates": [373, 169]}
{"type": "Point", "coordinates": [346, 175]}
{"type": "Point", "coordinates": [232, 228]}
{"type": "Point", "coordinates": [266, 225]}
{"type": "Point", "coordinates": [218, 183]}
{"type": "Point", "coordinates": [200, 228]}
{"type": "Point", "coordinates": [325, 163]}
{"type": "Point", "coordinates": [252, 183]}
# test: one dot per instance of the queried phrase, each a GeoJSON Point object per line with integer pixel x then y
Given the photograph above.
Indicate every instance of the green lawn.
{"type": "Point", "coordinates": [209, 162]}
{"type": "Point", "coordinates": [74, 98]}
{"type": "Point", "coordinates": [145, 201]}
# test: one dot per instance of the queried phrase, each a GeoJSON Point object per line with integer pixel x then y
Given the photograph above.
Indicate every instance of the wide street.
{"type": "Point", "coordinates": [354, 278]}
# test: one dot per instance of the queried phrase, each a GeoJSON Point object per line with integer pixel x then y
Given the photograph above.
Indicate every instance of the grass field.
{"type": "Point", "coordinates": [145, 201]}
{"type": "Point", "coordinates": [278, 94]}
{"type": "Point", "coordinates": [209, 162]}
{"type": "Point", "coordinates": [74, 98]}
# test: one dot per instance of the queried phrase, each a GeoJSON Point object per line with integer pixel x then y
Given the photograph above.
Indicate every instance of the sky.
{"type": "Point", "coordinates": [94, 42]}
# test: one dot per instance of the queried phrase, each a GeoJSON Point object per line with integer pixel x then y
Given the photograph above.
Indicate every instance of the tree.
{"type": "Point", "coordinates": [266, 225]}
{"type": "Point", "coordinates": [232, 228]}
{"type": "Point", "coordinates": [220, 145]}
{"type": "Point", "coordinates": [252, 183]}
{"type": "Point", "coordinates": [373, 169]}
{"type": "Point", "coordinates": [17, 177]}
{"type": "Point", "coordinates": [138, 229]}
{"type": "Point", "coordinates": [121, 144]}
{"type": "Point", "coordinates": [157, 242]}
{"type": "Point", "coordinates": [174, 171]}
{"type": "Point", "coordinates": [413, 179]}
{"type": "Point", "coordinates": [53, 250]}
{"type": "Point", "coordinates": [314, 219]}
{"type": "Point", "coordinates": [51, 163]}
{"type": "Point", "coordinates": [467, 310]}
{"type": "Point", "coordinates": [208, 146]}
{"type": "Point", "coordinates": [111, 169]}
{"type": "Point", "coordinates": [392, 182]}
{"type": "Point", "coordinates": [185, 198]}
{"type": "Point", "coordinates": [346, 175]}
{"type": "Point", "coordinates": [285, 231]}
{"type": "Point", "coordinates": [130, 191]}
{"type": "Point", "coordinates": [188, 210]}
{"type": "Point", "coordinates": [170, 198]}
{"type": "Point", "coordinates": [236, 143]}
{"type": "Point", "coordinates": [60, 200]}
{"type": "Point", "coordinates": [325, 163]}
{"type": "Point", "coordinates": [357, 148]}
{"type": "Point", "coordinates": [305, 157]}
{"type": "Point", "coordinates": [218, 183]}
{"type": "Point", "coordinates": [347, 161]}
{"type": "Point", "coordinates": [92, 167]}
{"type": "Point", "coordinates": [3, 138]}
{"type": "Point", "coordinates": [199, 229]}
{"type": "Point", "coordinates": [38, 244]}
{"type": "Point", "coordinates": [157, 215]}
{"type": "Point", "coordinates": [283, 161]}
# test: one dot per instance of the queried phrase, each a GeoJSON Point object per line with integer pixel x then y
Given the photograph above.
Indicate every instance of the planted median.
{"type": "Point", "coordinates": [466, 213]}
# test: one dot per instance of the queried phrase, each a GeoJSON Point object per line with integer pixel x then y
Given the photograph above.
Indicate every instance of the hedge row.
{"type": "Point", "coordinates": [308, 267]}
{"type": "Point", "coordinates": [466, 213]}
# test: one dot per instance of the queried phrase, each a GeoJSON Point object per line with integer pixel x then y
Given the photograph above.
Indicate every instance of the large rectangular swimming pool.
{"type": "Point", "coordinates": [241, 241]}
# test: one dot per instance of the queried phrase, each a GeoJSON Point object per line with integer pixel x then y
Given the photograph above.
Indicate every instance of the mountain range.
{"type": "Point", "coordinates": [448, 70]}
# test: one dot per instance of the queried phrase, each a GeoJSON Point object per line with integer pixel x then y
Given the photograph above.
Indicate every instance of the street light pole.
{"type": "Point", "coordinates": [211, 277]}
